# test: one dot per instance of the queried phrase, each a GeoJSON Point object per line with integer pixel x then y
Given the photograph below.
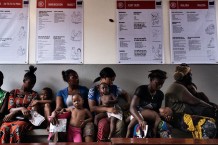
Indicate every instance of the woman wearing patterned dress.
{"type": "Point", "coordinates": [14, 128]}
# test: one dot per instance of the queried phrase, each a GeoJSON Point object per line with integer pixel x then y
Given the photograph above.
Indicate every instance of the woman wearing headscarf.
{"type": "Point", "coordinates": [189, 112]}
{"type": "Point", "coordinates": [180, 100]}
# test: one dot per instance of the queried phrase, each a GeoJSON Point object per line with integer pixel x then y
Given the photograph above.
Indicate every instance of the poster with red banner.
{"type": "Point", "coordinates": [193, 32]}
{"type": "Point", "coordinates": [14, 31]}
{"type": "Point", "coordinates": [59, 32]}
{"type": "Point", "coordinates": [139, 32]}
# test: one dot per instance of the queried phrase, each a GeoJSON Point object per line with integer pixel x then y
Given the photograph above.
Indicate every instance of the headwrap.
{"type": "Point", "coordinates": [181, 71]}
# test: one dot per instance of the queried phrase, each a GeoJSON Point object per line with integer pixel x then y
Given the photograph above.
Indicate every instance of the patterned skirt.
{"type": "Point", "coordinates": [13, 132]}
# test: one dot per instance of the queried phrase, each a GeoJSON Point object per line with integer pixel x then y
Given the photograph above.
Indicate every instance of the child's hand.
{"type": "Point", "coordinates": [34, 102]}
{"type": "Point", "coordinates": [112, 110]}
{"type": "Point", "coordinates": [83, 123]}
{"type": "Point", "coordinates": [142, 124]}
{"type": "Point", "coordinates": [62, 111]}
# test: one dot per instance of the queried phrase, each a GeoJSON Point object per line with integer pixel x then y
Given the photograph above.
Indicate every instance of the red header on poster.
{"type": "Point", "coordinates": [11, 4]}
{"type": "Point", "coordinates": [188, 4]}
{"type": "Point", "coordinates": [56, 4]}
{"type": "Point", "coordinates": [136, 5]}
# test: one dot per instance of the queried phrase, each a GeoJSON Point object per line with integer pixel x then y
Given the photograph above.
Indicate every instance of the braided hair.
{"type": "Point", "coordinates": [107, 72]}
{"type": "Point", "coordinates": [158, 74]}
{"type": "Point", "coordinates": [30, 74]}
{"type": "Point", "coordinates": [66, 74]}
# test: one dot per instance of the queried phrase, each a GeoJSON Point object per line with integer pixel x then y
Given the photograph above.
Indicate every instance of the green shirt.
{"type": "Point", "coordinates": [2, 96]}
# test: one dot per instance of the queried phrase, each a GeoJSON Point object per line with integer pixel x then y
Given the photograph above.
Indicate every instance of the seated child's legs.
{"type": "Point", "coordinates": [98, 117]}
{"type": "Point", "coordinates": [47, 110]}
{"type": "Point", "coordinates": [153, 117]}
{"type": "Point", "coordinates": [113, 122]}
{"type": "Point", "coordinates": [131, 125]}
{"type": "Point", "coordinates": [47, 113]}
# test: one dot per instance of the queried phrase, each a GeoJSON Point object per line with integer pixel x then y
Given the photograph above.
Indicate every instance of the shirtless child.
{"type": "Point", "coordinates": [79, 117]}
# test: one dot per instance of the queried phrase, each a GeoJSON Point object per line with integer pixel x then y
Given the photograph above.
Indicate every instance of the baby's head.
{"type": "Point", "coordinates": [166, 112]}
{"type": "Point", "coordinates": [77, 100]}
{"type": "Point", "coordinates": [46, 94]}
{"type": "Point", "coordinates": [104, 89]}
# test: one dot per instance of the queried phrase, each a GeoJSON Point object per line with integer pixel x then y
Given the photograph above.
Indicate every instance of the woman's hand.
{"type": "Point", "coordinates": [112, 110]}
{"type": "Point", "coordinates": [62, 111]}
{"type": "Point", "coordinates": [53, 118]}
{"type": "Point", "coordinates": [25, 112]}
{"type": "Point", "coordinates": [142, 124]}
{"type": "Point", "coordinates": [9, 117]}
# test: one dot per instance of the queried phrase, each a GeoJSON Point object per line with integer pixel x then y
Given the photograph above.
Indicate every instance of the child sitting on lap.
{"type": "Point", "coordinates": [108, 100]}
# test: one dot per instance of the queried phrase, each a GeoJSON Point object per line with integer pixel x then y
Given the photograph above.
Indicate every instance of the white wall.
{"type": "Point", "coordinates": [99, 33]}
{"type": "Point", "coordinates": [100, 48]}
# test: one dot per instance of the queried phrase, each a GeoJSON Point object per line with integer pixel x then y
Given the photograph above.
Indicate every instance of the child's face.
{"type": "Point", "coordinates": [165, 112]}
{"type": "Point", "coordinates": [103, 89]}
{"type": "Point", "coordinates": [77, 101]}
{"type": "Point", "coordinates": [44, 95]}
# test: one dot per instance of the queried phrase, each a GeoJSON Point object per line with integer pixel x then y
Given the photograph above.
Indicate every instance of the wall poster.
{"type": "Point", "coordinates": [59, 31]}
{"type": "Point", "coordinates": [193, 34]}
{"type": "Point", "coordinates": [14, 31]}
{"type": "Point", "coordinates": [139, 31]}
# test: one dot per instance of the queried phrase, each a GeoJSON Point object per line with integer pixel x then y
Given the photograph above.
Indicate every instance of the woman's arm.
{"type": "Point", "coordinates": [59, 103]}
{"type": "Point", "coordinates": [16, 111]}
{"type": "Point", "coordinates": [98, 109]}
{"type": "Point", "coordinates": [192, 100]}
{"type": "Point", "coordinates": [134, 112]}
{"type": "Point", "coordinates": [59, 106]}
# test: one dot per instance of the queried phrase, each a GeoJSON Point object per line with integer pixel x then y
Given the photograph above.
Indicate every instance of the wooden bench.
{"type": "Point", "coordinates": [36, 136]}
{"type": "Point", "coordinates": [151, 141]}
{"type": "Point", "coordinates": [65, 143]}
